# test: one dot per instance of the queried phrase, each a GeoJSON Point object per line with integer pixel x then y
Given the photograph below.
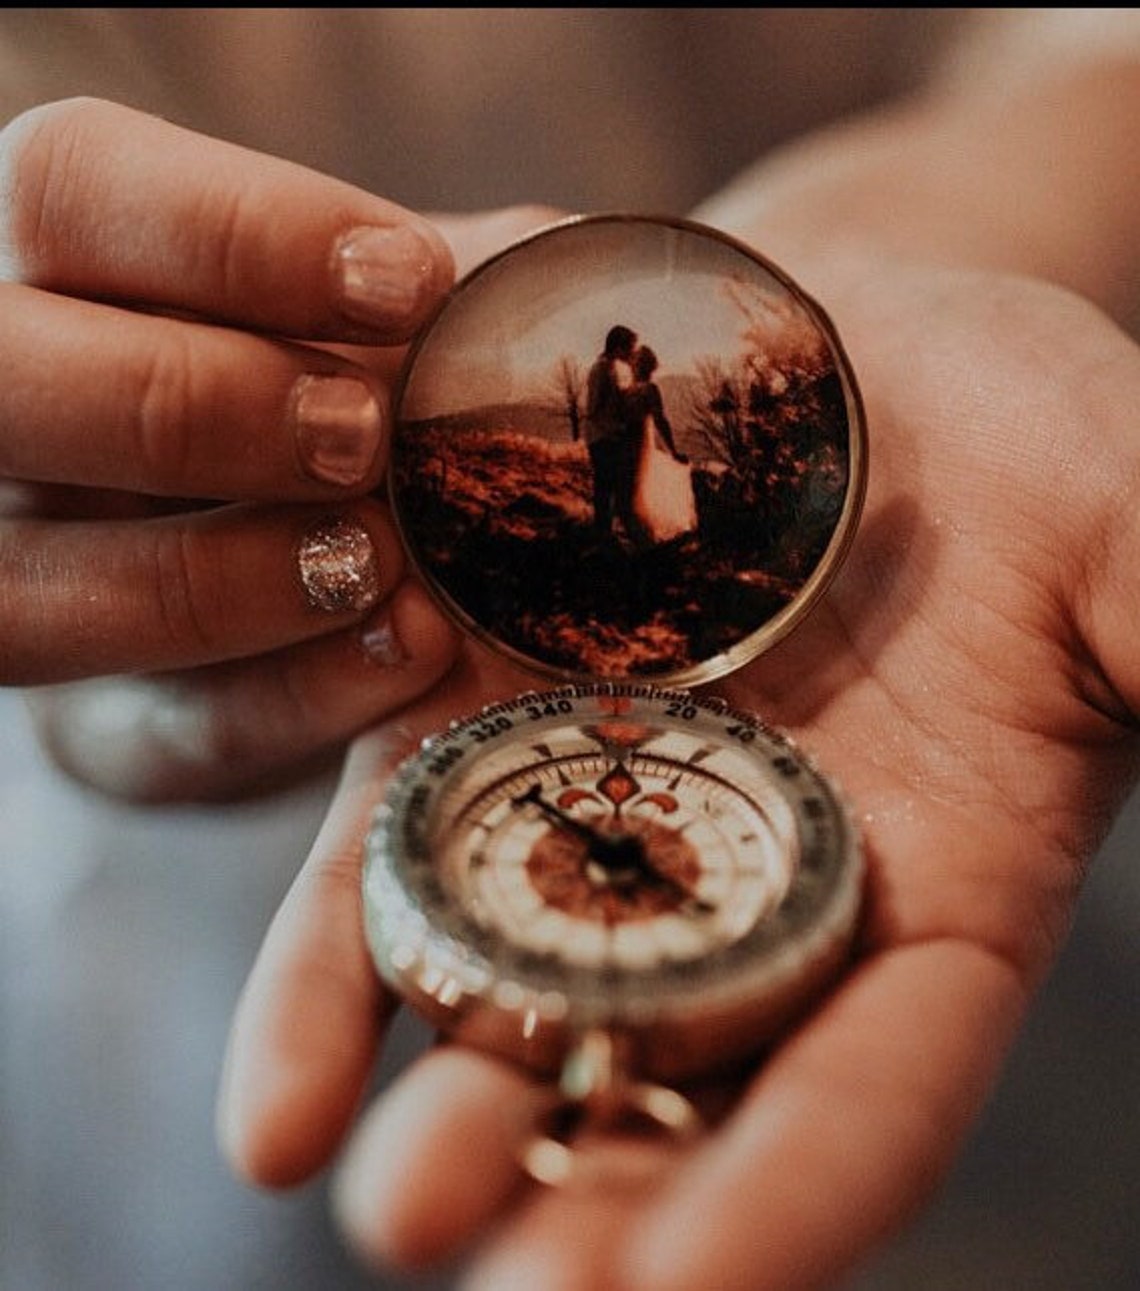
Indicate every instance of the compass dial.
{"type": "Point", "coordinates": [625, 858]}
{"type": "Point", "coordinates": [611, 855]}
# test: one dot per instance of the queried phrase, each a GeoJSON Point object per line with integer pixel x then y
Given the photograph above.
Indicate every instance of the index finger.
{"type": "Point", "coordinates": [101, 201]}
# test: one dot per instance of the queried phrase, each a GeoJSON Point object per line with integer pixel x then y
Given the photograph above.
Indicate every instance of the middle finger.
{"type": "Point", "coordinates": [95, 395]}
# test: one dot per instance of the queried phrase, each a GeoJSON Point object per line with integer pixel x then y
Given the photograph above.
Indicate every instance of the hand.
{"type": "Point", "coordinates": [969, 679]}
{"type": "Point", "coordinates": [199, 344]}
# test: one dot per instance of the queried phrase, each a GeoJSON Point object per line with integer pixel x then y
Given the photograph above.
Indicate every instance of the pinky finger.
{"type": "Point", "coordinates": [237, 727]}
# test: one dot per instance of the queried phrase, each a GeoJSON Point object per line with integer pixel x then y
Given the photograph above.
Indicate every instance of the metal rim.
{"type": "Point", "coordinates": [814, 585]}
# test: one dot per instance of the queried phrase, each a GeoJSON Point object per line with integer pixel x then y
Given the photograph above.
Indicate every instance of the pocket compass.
{"type": "Point", "coordinates": [629, 454]}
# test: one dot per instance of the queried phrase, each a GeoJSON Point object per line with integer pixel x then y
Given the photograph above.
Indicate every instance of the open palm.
{"type": "Point", "coordinates": [968, 678]}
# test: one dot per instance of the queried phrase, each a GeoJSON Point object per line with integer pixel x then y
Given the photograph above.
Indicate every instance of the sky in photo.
{"type": "Point", "coordinates": [502, 333]}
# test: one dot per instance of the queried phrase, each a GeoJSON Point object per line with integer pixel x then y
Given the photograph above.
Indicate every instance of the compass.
{"type": "Point", "coordinates": [612, 858]}
{"type": "Point", "coordinates": [619, 881]}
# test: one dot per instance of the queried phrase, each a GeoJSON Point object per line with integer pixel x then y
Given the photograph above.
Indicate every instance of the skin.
{"type": "Point", "coordinates": [949, 683]}
{"type": "Point", "coordinates": [970, 678]}
{"type": "Point", "coordinates": [115, 557]}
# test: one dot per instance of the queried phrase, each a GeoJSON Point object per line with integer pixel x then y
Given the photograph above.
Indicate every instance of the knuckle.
{"type": "Point", "coordinates": [190, 617]}
{"type": "Point", "coordinates": [45, 167]}
{"type": "Point", "coordinates": [225, 223]}
{"type": "Point", "coordinates": [160, 399]}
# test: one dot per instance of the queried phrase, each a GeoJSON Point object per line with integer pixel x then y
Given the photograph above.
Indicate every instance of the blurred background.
{"type": "Point", "coordinates": [126, 935]}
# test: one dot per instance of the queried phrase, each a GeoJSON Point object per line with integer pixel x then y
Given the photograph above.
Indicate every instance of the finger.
{"type": "Point", "coordinates": [433, 1161]}
{"type": "Point", "coordinates": [180, 591]}
{"type": "Point", "coordinates": [215, 733]}
{"type": "Point", "coordinates": [434, 1166]}
{"type": "Point", "coordinates": [107, 398]}
{"type": "Point", "coordinates": [109, 203]}
{"type": "Point", "coordinates": [560, 1241]}
{"type": "Point", "coordinates": [844, 1134]}
{"type": "Point", "coordinates": [309, 1021]}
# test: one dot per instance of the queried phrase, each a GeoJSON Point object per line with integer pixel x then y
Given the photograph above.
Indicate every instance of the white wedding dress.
{"type": "Point", "coordinates": [664, 505]}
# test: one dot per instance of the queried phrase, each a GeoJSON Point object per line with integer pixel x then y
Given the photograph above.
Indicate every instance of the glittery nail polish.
{"type": "Point", "coordinates": [338, 566]}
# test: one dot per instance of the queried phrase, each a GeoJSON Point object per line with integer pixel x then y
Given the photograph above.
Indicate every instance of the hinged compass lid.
{"type": "Point", "coordinates": [628, 447]}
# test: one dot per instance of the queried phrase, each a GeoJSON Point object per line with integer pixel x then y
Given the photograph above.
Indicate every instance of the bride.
{"type": "Point", "coordinates": [663, 505]}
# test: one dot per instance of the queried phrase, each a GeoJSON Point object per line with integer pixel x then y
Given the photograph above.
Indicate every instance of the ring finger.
{"type": "Point", "coordinates": [185, 590]}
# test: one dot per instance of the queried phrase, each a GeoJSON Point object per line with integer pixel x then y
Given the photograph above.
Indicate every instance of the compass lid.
{"type": "Point", "coordinates": [628, 447]}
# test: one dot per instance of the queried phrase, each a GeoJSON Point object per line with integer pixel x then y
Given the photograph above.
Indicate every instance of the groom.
{"type": "Point", "coordinates": [613, 451]}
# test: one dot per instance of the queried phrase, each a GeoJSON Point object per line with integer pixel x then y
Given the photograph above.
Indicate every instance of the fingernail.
{"type": "Point", "coordinates": [380, 642]}
{"type": "Point", "coordinates": [386, 275]}
{"type": "Point", "coordinates": [338, 566]}
{"type": "Point", "coordinates": [336, 423]}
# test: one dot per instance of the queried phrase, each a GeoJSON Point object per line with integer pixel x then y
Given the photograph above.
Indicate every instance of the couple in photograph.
{"type": "Point", "coordinates": [641, 483]}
